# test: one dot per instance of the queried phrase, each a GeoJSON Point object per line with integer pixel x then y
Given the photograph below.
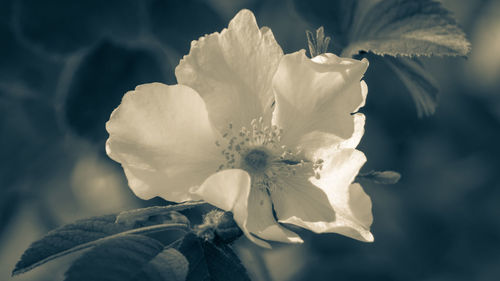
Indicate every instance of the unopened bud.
{"type": "Point", "coordinates": [219, 226]}
{"type": "Point", "coordinates": [384, 177]}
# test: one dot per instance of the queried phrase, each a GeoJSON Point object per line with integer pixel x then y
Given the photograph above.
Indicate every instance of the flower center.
{"type": "Point", "coordinates": [255, 160]}
{"type": "Point", "coordinates": [258, 151]}
{"type": "Point", "coordinates": [251, 149]}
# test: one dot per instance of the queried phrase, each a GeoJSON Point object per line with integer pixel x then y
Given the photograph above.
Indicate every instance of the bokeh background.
{"type": "Point", "coordinates": [64, 66]}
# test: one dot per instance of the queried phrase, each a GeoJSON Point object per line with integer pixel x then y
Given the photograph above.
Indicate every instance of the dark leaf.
{"type": "Point", "coordinates": [170, 265]}
{"type": "Point", "coordinates": [209, 261]}
{"type": "Point", "coordinates": [129, 257]}
{"type": "Point", "coordinates": [402, 28]}
{"type": "Point", "coordinates": [421, 85]}
{"type": "Point", "coordinates": [223, 264]}
{"type": "Point", "coordinates": [159, 214]}
{"type": "Point", "coordinates": [406, 28]}
{"type": "Point", "coordinates": [191, 247]}
{"type": "Point", "coordinates": [64, 238]}
{"type": "Point", "coordinates": [80, 235]}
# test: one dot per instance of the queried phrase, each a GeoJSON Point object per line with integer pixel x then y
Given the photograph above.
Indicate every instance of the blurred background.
{"type": "Point", "coordinates": [65, 65]}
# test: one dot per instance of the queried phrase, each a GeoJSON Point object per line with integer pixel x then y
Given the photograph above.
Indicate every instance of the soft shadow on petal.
{"type": "Point", "coordinates": [297, 201]}
{"type": "Point", "coordinates": [317, 95]}
{"type": "Point", "coordinates": [357, 225]}
{"type": "Point", "coordinates": [163, 139]}
{"type": "Point", "coordinates": [231, 191]}
{"type": "Point", "coordinates": [361, 205]}
{"type": "Point", "coordinates": [319, 145]}
{"type": "Point", "coordinates": [351, 204]}
{"type": "Point", "coordinates": [233, 71]}
{"type": "Point", "coordinates": [261, 221]}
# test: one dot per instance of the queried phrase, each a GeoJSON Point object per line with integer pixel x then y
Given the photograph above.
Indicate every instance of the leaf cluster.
{"type": "Point", "coordinates": [132, 245]}
{"type": "Point", "coordinates": [399, 30]}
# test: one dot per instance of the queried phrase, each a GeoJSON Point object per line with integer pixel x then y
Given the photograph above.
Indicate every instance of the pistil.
{"type": "Point", "coordinates": [259, 152]}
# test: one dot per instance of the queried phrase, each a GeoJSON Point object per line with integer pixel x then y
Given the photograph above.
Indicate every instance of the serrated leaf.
{"type": "Point", "coordinates": [81, 235]}
{"type": "Point", "coordinates": [129, 257]}
{"type": "Point", "coordinates": [65, 238]}
{"type": "Point", "coordinates": [406, 28]}
{"type": "Point", "coordinates": [397, 28]}
{"type": "Point", "coordinates": [210, 261]}
{"type": "Point", "coordinates": [421, 85]}
{"type": "Point", "coordinates": [156, 213]}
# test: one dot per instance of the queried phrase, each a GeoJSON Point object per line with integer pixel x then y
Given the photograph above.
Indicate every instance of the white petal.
{"type": "Point", "coordinates": [359, 130]}
{"type": "Point", "coordinates": [231, 190]}
{"type": "Point", "coordinates": [233, 71]}
{"type": "Point", "coordinates": [318, 95]}
{"type": "Point", "coordinates": [297, 201]}
{"type": "Point", "coordinates": [352, 206]}
{"type": "Point", "coordinates": [163, 139]}
{"type": "Point", "coordinates": [319, 145]}
{"type": "Point", "coordinates": [335, 205]}
{"type": "Point", "coordinates": [261, 221]}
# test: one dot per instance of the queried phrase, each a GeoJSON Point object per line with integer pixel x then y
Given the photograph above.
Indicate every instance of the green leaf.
{"type": "Point", "coordinates": [80, 235]}
{"type": "Point", "coordinates": [129, 257]}
{"type": "Point", "coordinates": [210, 261]}
{"type": "Point", "coordinates": [406, 28]}
{"type": "Point", "coordinates": [417, 80]}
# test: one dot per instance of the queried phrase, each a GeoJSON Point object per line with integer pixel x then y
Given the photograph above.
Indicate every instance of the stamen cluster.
{"type": "Point", "coordinates": [258, 151]}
